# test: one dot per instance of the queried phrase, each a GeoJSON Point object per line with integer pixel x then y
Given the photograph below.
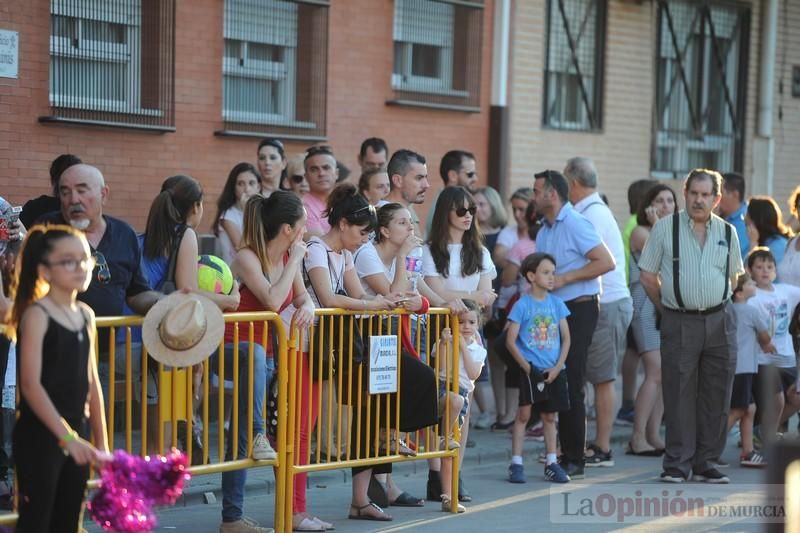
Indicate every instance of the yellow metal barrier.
{"type": "Point", "coordinates": [176, 400]}
{"type": "Point", "coordinates": [351, 395]}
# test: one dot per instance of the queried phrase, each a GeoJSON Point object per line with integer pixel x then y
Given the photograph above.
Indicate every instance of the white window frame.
{"type": "Point", "coordinates": [424, 22]}
{"type": "Point", "coordinates": [722, 144]}
{"type": "Point", "coordinates": [128, 14]}
{"type": "Point", "coordinates": [254, 21]}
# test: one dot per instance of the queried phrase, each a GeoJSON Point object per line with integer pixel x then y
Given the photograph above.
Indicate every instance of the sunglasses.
{"type": "Point", "coordinates": [462, 211]}
{"type": "Point", "coordinates": [369, 208]}
{"type": "Point", "coordinates": [471, 174]}
{"type": "Point", "coordinates": [297, 178]}
{"type": "Point", "coordinates": [103, 272]}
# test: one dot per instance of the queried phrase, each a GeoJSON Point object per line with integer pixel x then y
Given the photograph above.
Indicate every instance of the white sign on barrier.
{"type": "Point", "coordinates": [382, 364]}
{"type": "Point", "coordinates": [9, 54]}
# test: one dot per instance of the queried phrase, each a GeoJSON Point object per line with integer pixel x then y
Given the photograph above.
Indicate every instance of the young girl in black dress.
{"type": "Point", "coordinates": [60, 391]}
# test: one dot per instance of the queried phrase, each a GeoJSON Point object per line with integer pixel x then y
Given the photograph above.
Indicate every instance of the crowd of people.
{"type": "Point", "coordinates": [553, 299]}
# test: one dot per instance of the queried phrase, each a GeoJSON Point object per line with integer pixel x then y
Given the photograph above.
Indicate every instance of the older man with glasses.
{"type": "Point", "coordinates": [117, 278]}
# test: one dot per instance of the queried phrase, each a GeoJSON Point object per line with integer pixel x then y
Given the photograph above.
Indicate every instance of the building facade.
{"type": "Point", "coordinates": [145, 89]}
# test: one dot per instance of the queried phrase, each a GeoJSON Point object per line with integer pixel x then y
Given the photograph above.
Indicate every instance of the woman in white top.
{"type": "Point", "coordinates": [789, 266]}
{"type": "Point", "coordinates": [457, 266]}
{"type": "Point", "coordinates": [243, 182]}
{"type": "Point", "coordinates": [382, 268]}
{"type": "Point", "coordinates": [334, 283]}
{"type": "Point", "coordinates": [511, 234]}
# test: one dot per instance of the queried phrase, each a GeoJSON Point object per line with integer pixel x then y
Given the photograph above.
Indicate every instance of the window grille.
{"type": "Point", "coordinates": [573, 90]}
{"type": "Point", "coordinates": [437, 53]}
{"type": "Point", "coordinates": [700, 87]}
{"type": "Point", "coordinates": [112, 63]}
{"type": "Point", "coordinates": [274, 68]}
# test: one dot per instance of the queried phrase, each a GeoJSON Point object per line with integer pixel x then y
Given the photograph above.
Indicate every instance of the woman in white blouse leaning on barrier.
{"type": "Point", "coordinates": [457, 266]}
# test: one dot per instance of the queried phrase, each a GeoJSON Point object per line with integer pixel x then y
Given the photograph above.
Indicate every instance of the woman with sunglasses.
{"type": "Point", "coordinates": [271, 164]}
{"type": "Point", "coordinates": [243, 182]}
{"type": "Point", "coordinates": [334, 282]}
{"type": "Point", "coordinates": [294, 178]}
{"type": "Point", "coordinates": [456, 266]}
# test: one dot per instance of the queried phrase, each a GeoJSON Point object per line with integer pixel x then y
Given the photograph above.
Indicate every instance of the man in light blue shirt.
{"type": "Point", "coordinates": [581, 258]}
{"type": "Point", "coordinates": [733, 208]}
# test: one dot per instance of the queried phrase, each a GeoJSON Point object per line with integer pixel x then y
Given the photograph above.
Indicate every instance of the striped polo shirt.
{"type": "Point", "coordinates": [702, 270]}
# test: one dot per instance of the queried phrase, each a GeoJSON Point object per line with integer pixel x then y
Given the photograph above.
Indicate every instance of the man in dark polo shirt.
{"type": "Point", "coordinates": [117, 279]}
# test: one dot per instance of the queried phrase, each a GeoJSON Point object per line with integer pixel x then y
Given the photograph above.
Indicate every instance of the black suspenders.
{"type": "Point", "coordinates": [676, 252]}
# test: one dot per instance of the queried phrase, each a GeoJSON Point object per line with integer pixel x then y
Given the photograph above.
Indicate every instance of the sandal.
{"type": "Point", "coordinates": [395, 445]}
{"type": "Point", "coordinates": [653, 452]}
{"type": "Point", "coordinates": [501, 426]}
{"type": "Point", "coordinates": [360, 515]}
{"type": "Point", "coordinates": [327, 525]}
{"type": "Point", "coordinates": [377, 493]}
{"type": "Point", "coordinates": [446, 505]}
{"type": "Point", "coordinates": [407, 500]}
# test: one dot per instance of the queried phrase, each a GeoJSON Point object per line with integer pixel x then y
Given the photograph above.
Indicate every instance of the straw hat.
{"type": "Point", "coordinates": [182, 329]}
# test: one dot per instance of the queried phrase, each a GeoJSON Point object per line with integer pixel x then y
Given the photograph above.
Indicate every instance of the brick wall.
{"type": "Point", "coordinates": [622, 150]}
{"type": "Point", "coordinates": [135, 163]}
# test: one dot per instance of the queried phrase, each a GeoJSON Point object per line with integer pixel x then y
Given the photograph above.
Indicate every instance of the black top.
{"type": "Point", "coordinates": [65, 372]}
{"type": "Point", "coordinates": [120, 248]}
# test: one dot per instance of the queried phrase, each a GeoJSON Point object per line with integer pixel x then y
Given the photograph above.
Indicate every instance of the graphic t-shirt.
{"type": "Point", "coordinates": [777, 306]}
{"type": "Point", "coordinates": [539, 339]}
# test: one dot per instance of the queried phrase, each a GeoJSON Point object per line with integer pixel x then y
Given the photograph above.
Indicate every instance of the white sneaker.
{"type": "Point", "coordinates": [484, 421]}
{"type": "Point", "coordinates": [243, 525]}
{"type": "Point", "coordinates": [262, 451]}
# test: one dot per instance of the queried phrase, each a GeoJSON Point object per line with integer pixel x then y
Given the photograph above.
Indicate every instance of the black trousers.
{"type": "Point", "coordinates": [418, 409]}
{"type": "Point", "coordinates": [51, 486]}
{"type": "Point", "coordinates": [572, 424]}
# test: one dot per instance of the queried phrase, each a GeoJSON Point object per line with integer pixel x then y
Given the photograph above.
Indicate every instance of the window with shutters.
{"type": "Point", "coordinates": [112, 62]}
{"type": "Point", "coordinates": [573, 91]}
{"type": "Point", "coordinates": [701, 77]}
{"type": "Point", "coordinates": [274, 66]}
{"type": "Point", "coordinates": [437, 53]}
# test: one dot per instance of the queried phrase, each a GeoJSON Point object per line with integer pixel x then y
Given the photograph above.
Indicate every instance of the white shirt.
{"type": "Point", "coordinates": [507, 236]}
{"type": "Point", "coordinates": [789, 267]}
{"type": "Point", "coordinates": [777, 306]}
{"type": "Point", "coordinates": [478, 355]}
{"type": "Point", "coordinates": [318, 255]}
{"type": "Point", "coordinates": [369, 263]}
{"type": "Point", "coordinates": [749, 321]}
{"type": "Point", "coordinates": [455, 281]}
{"type": "Point", "coordinates": [235, 216]}
{"type": "Point", "coordinates": [613, 286]}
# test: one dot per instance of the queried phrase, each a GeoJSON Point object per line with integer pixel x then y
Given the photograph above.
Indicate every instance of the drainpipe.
{"type": "Point", "coordinates": [498, 113]}
{"type": "Point", "coordinates": [766, 96]}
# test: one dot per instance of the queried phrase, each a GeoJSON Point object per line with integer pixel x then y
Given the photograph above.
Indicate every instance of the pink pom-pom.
{"type": "Point", "coordinates": [131, 485]}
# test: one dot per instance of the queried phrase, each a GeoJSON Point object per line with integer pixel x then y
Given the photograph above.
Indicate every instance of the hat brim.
{"type": "Point", "coordinates": [208, 344]}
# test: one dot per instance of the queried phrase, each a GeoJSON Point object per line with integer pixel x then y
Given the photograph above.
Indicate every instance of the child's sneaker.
{"type": "Point", "coordinates": [553, 472]}
{"type": "Point", "coordinates": [753, 460]}
{"type": "Point", "coordinates": [598, 457]}
{"type": "Point", "coordinates": [262, 451]}
{"type": "Point", "coordinates": [516, 473]}
{"type": "Point", "coordinates": [448, 444]}
{"type": "Point", "coordinates": [446, 505]}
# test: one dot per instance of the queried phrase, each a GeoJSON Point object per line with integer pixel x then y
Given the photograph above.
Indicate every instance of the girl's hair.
{"type": "Point", "coordinates": [363, 181]}
{"type": "Point", "coordinates": [499, 217]}
{"type": "Point", "coordinates": [264, 218]}
{"type": "Point", "coordinates": [532, 218]}
{"type": "Point", "coordinates": [385, 216]}
{"type": "Point", "coordinates": [345, 203]}
{"type": "Point", "coordinates": [766, 216]}
{"type": "Point", "coordinates": [179, 194]}
{"type": "Point", "coordinates": [26, 287]}
{"type": "Point", "coordinates": [472, 249]}
{"type": "Point", "coordinates": [473, 306]}
{"type": "Point", "coordinates": [227, 198]}
{"type": "Point", "coordinates": [649, 196]}
{"type": "Point", "coordinates": [523, 193]}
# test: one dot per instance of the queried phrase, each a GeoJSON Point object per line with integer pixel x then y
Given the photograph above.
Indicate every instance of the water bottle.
{"type": "Point", "coordinates": [414, 266]}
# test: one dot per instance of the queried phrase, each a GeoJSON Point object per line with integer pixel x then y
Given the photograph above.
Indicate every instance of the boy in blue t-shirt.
{"type": "Point", "coordinates": [538, 339]}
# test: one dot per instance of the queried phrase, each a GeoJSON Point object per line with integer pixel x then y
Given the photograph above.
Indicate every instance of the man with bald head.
{"type": "Point", "coordinates": [117, 278]}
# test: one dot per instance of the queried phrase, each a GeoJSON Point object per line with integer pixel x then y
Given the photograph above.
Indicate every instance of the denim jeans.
{"type": "Point", "coordinates": [233, 482]}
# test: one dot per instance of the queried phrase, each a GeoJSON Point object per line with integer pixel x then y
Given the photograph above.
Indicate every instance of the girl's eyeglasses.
{"type": "Point", "coordinates": [71, 265]}
{"type": "Point", "coordinates": [297, 178]}
{"type": "Point", "coordinates": [103, 272]}
{"type": "Point", "coordinates": [462, 211]}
